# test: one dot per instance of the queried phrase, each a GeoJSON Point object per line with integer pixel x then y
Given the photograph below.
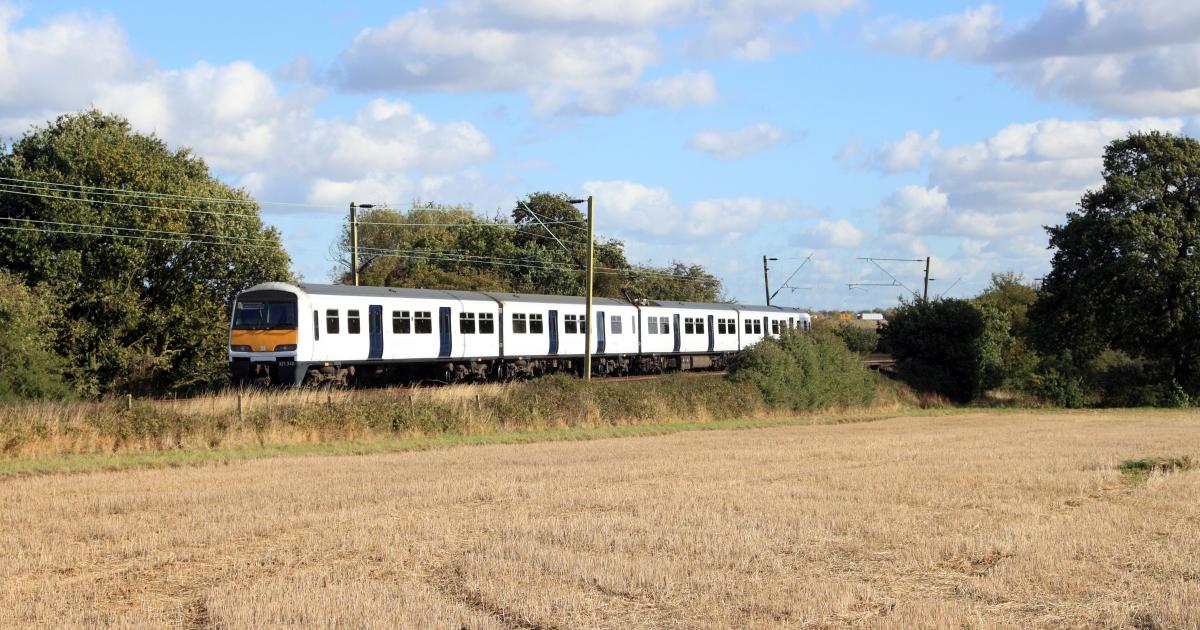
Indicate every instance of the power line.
{"type": "Point", "coordinates": [24, 187]}
{"type": "Point", "coordinates": [124, 204]}
{"type": "Point", "coordinates": [185, 241]}
{"type": "Point", "coordinates": [3, 189]}
{"type": "Point", "coordinates": [142, 230]}
{"type": "Point", "coordinates": [114, 192]}
{"type": "Point", "coordinates": [185, 238]}
{"type": "Point", "coordinates": [523, 262]}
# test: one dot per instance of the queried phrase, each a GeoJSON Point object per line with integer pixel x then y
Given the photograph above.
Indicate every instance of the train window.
{"type": "Point", "coordinates": [664, 326]}
{"type": "Point", "coordinates": [422, 322]}
{"type": "Point", "coordinates": [316, 325]}
{"type": "Point", "coordinates": [535, 323]}
{"type": "Point", "coordinates": [519, 326]}
{"type": "Point", "coordinates": [652, 325]}
{"type": "Point", "coordinates": [689, 325]}
{"type": "Point", "coordinates": [758, 327]}
{"type": "Point", "coordinates": [699, 326]}
{"type": "Point", "coordinates": [353, 323]}
{"type": "Point", "coordinates": [570, 325]}
{"type": "Point", "coordinates": [582, 324]}
{"type": "Point", "coordinates": [331, 321]}
{"type": "Point", "coordinates": [616, 324]}
{"type": "Point", "coordinates": [401, 322]}
{"type": "Point", "coordinates": [749, 327]}
{"type": "Point", "coordinates": [466, 323]}
{"type": "Point", "coordinates": [487, 324]}
{"type": "Point", "coordinates": [774, 326]}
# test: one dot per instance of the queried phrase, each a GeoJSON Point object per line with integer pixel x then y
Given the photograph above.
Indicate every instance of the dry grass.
{"type": "Point", "coordinates": [984, 520]}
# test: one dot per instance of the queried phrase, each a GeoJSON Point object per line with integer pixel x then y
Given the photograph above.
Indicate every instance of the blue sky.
{"type": "Point", "coordinates": [710, 133]}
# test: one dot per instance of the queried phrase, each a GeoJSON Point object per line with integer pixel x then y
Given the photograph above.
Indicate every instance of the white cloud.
{"type": "Point", "coordinates": [905, 154]}
{"type": "Point", "coordinates": [621, 13]}
{"type": "Point", "coordinates": [1011, 184]}
{"type": "Point", "coordinates": [56, 65]}
{"type": "Point", "coordinates": [1125, 56]}
{"type": "Point", "coordinates": [431, 50]}
{"type": "Point", "coordinates": [233, 115]}
{"type": "Point", "coordinates": [737, 144]}
{"type": "Point", "coordinates": [967, 35]}
{"type": "Point", "coordinates": [568, 57]}
{"type": "Point", "coordinates": [839, 233]}
{"type": "Point", "coordinates": [633, 208]}
{"type": "Point", "coordinates": [757, 30]}
{"type": "Point", "coordinates": [686, 89]}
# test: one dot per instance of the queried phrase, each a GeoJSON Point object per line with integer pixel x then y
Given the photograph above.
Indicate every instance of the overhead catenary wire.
{"type": "Point", "coordinates": [536, 265]}
{"type": "Point", "coordinates": [99, 190]}
{"type": "Point", "coordinates": [481, 224]}
{"type": "Point", "coordinates": [142, 230]}
{"type": "Point", "coordinates": [197, 241]}
{"type": "Point", "coordinates": [29, 188]}
{"type": "Point", "coordinates": [202, 239]}
{"type": "Point", "coordinates": [467, 257]}
{"type": "Point", "coordinates": [107, 202]}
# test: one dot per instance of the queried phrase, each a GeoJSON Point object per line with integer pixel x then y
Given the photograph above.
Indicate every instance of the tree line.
{"type": "Point", "coordinates": [1116, 321]}
{"type": "Point", "coordinates": [120, 258]}
{"type": "Point", "coordinates": [541, 247]}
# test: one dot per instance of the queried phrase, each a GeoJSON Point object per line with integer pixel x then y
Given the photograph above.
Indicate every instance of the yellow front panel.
{"type": "Point", "coordinates": [263, 340]}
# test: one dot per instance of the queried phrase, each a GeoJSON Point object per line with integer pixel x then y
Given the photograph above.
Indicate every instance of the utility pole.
{"type": "Point", "coordinates": [587, 340]}
{"type": "Point", "coordinates": [766, 282]}
{"type": "Point", "coordinates": [927, 278]}
{"type": "Point", "coordinates": [354, 241]}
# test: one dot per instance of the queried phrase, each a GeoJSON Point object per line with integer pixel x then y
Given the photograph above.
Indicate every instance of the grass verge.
{"type": "Point", "coordinates": [95, 462]}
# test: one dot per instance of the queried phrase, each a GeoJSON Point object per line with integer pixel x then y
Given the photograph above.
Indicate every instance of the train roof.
{"type": "Point", "coordinates": [435, 294]}
{"type": "Point", "coordinates": [535, 298]}
{"type": "Point", "coordinates": [487, 296]}
{"type": "Point", "coordinates": [714, 306]}
{"type": "Point", "coordinates": [764, 307]}
{"type": "Point", "coordinates": [482, 296]}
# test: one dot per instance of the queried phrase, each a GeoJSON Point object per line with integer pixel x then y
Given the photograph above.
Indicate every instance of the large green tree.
{"type": "Point", "coordinates": [140, 245]}
{"type": "Point", "coordinates": [1126, 270]}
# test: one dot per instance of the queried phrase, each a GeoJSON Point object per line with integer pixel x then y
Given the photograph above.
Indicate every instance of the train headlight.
{"type": "Point", "coordinates": [237, 348]}
{"type": "Point", "coordinates": [285, 347]}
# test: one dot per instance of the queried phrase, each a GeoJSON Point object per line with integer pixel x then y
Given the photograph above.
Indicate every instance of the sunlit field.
{"type": "Point", "coordinates": [984, 520]}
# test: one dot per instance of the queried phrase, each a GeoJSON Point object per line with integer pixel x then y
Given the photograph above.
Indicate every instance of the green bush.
{"type": "Point", "coordinates": [937, 347]}
{"type": "Point", "coordinates": [29, 368]}
{"type": "Point", "coordinates": [804, 372]}
{"type": "Point", "coordinates": [857, 338]}
{"type": "Point", "coordinates": [1061, 383]}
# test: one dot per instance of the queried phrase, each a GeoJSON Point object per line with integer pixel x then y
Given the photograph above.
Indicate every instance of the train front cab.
{"type": "Point", "coordinates": [264, 336]}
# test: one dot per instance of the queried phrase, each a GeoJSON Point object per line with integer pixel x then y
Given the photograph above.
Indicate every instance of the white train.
{"type": "Point", "coordinates": [313, 333]}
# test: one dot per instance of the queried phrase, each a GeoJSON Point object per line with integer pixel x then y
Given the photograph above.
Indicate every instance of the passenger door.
{"type": "Point", "coordinates": [444, 331]}
{"type": "Point", "coordinates": [552, 326]}
{"type": "Point", "coordinates": [600, 332]}
{"type": "Point", "coordinates": [375, 330]}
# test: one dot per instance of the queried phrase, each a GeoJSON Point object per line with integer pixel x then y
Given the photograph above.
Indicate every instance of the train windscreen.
{"type": "Point", "coordinates": [264, 315]}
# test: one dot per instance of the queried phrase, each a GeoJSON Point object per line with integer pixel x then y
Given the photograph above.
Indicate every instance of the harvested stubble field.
{"type": "Point", "coordinates": [981, 520]}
